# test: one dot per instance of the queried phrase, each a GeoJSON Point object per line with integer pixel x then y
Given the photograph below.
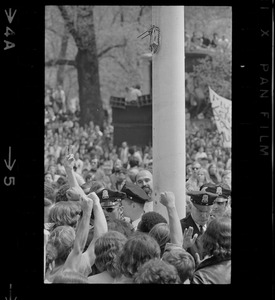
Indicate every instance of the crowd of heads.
{"type": "Point", "coordinates": [137, 246]}
{"type": "Point", "coordinates": [199, 40]}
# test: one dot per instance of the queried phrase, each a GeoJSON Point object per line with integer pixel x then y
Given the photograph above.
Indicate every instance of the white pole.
{"type": "Point", "coordinates": [169, 108]}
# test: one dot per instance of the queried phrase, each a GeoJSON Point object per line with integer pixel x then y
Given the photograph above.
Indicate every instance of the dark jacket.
{"type": "Point", "coordinates": [213, 271]}
{"type": "Point", "coordinates": [196, 248]}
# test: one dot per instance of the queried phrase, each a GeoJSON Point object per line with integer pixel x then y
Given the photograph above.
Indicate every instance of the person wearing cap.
{"type": "Point", "coordinates": [221, 205]}
{"type": "Point", "coordinates": [196, 222]}
{"type": "Point", "coordinates": [133, 203]}
{"type": "Point", "coordinates": [111, 203]}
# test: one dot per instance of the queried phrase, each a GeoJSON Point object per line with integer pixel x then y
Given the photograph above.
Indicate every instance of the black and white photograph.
{"type": "Point", "coordinates": [122, 118]}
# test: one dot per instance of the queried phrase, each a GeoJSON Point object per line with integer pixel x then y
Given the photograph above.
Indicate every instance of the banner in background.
{"type": "Point", "coordinates": [222, 110]}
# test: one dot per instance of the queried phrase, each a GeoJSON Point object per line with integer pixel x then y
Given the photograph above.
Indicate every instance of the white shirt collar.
{"type": "Point", "coordinates": [135, 223]}
{"type": "Point", "coordinates": [203, 227]}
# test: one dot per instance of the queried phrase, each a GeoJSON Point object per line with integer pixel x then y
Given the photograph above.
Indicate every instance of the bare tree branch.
{"type": "Point", "coordinates": [59, 62]}
{"type": "Point", "coordinates": [118, 62]}
{"type": "Point", "coordinates": [110, 48]}
{"type": "Point", "coordinates": [69, 23]}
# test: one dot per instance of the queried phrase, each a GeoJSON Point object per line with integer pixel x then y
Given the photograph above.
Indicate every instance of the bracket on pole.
{"type": "Point", "coordinates": [154, 33]}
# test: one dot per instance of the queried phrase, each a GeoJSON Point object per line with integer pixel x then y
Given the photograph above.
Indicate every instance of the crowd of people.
{"type": "Point", "coordinates": [99, 222]}
{"type": "Point", "coordinates": [203, 41]}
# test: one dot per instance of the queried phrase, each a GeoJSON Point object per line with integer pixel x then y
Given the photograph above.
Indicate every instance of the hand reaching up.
{"type": "Point", "coordinates": [188, 241]}
{"type": "Point", "coordinates": [74, 193]}
{"type": "Point", "coordinates": [167, 199]}
{"type": "Point", "coordinates": [86, 204]}
{"type": "Point", "coordinates": [69, 160]}
{"type": "Point", "coordinates": [94, 197]}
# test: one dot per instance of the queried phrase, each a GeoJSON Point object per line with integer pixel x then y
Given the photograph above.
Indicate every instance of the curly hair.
{"type": "Point", "coordinates": [161, 233]}
{"type": "Point", "coordinates": [107, 247]}
{"type": "Point", "coordinates": [157, 271]}
{"type": "Point", "coordinates": [182, 261]}
{"type": "Point", "coordinates": [60, 243]}
{"type": "Point", "coordinates": [121, 226]}
{"type": "Point", "coordinates": [61, 193]}
{"type": "Point", "coordinates": [216, 240]}
{"type": "Point", "coordinates": [65, 213]}
{"type": "Point", "coordinates": [149, 220]}
{"type": "Point", "coordinates": [139, 248]}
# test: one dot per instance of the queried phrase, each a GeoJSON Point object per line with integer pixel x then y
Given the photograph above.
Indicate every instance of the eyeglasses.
{"type": "Point", "coordinates": [220, 202]}
{"type": "Point", "coordinates": [110, 209]}
{"type": "Point", "coordinates": [195, 168]}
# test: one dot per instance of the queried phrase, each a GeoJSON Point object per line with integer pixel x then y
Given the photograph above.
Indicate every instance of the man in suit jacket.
{"type": "Point", "coordinates": [196, 222]}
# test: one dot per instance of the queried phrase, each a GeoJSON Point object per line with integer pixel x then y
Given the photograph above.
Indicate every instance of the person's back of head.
{"type": "Point", "coordinates": [149, 220]}
{"type": "Point", "coordinates": [96, 186]}
{"type": "Point", "coordinates": [107, 248]}
{"type": "Point", "coordinates": [182, 261]}
{"type": "Point", "coordinates": [157, 271]}
{"type": "Point", "coordinates": [133, 162]}
{"type": "Point", "coordinates": [121, 226]}
{"type": "Point", "coordinates": [216, 240]}
{"type": "Point", "coordinates": [60, 244]}
{"type": "Point", "coordinates": [69, 276]}
{"type": "Point", "coordinates": [161, 233]}
{"type": "Point", "coordinates": [138, 249]}
{"type": "Point", "coordinates": [65, 213]}
{"type": "Point", "coordinates": [131, 150]}
{"type": "Point", "coordinates": [61, 194]}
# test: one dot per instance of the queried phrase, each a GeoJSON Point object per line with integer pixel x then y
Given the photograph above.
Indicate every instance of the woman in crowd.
{"type": "Point", "coordinates": [215, 268]}
{"type": "Point", "coordinates": [203, 177]}
{"type": "Point", "coordinates": [157, 271]}
{"type": "Point", "coordinates": [214, 174]}
{"type": "Point", "coordinates": [107, 248]}
{"type": "Point", "coordinates": [138, 249]}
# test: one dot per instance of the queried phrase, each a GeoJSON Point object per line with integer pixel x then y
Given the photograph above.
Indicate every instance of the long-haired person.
{"type": "Point", "coordinates": [139, 248]}
{"type": "Point", "coordinates": [107, 248]}
{"type": "Point", "coordinates": [216, 243]}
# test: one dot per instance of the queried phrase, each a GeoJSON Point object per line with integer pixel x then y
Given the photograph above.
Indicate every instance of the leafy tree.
{"type": "Point", "coordinates": [102, 55]}
{"type": "Point", "coordinates": [215, 72]}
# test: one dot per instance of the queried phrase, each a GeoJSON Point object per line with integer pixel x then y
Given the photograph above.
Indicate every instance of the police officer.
{"type": "Point", "coordinates": [111, 203]}
{"type": "Point", "coordinates": [222, 205]}
{"type": "Point", "coordinates": [133, 203]}
{"type": "Point", "coordinates": [196, 222]}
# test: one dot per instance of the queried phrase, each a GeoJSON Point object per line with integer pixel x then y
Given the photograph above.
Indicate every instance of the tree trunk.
{"type": "Point", "coordinates": [62, 55]}
{"type": "Point", "coordinates": [89, 92]}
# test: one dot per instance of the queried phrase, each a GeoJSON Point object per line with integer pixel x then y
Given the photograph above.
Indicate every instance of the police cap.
{"type": "Point", "coordinates": [135, 193]}
{"type": "Point", "coordinates": [109, 198]}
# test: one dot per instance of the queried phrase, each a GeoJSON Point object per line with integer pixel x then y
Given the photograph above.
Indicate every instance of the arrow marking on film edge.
{"type": "Point", "coordinates": [9, 165]}
{"type": "Point", "coordinates": [9, 15]}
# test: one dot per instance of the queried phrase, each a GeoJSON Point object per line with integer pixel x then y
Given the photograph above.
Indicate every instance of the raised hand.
{"type": "Point", "coordinates": [94, 197]}
{"type": "Point", "coordinates": [197, 259]}
{"type": "Point", "coordinates": [167, 199]}
{"type": "Point", "coordinates": [188, 241]}
{"type": "Point", "coordinates": [74, 194]}
{"type": "Point", "coordinates": [86, 203]}
{"type": "Point", "coordinates": [69, 160]}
